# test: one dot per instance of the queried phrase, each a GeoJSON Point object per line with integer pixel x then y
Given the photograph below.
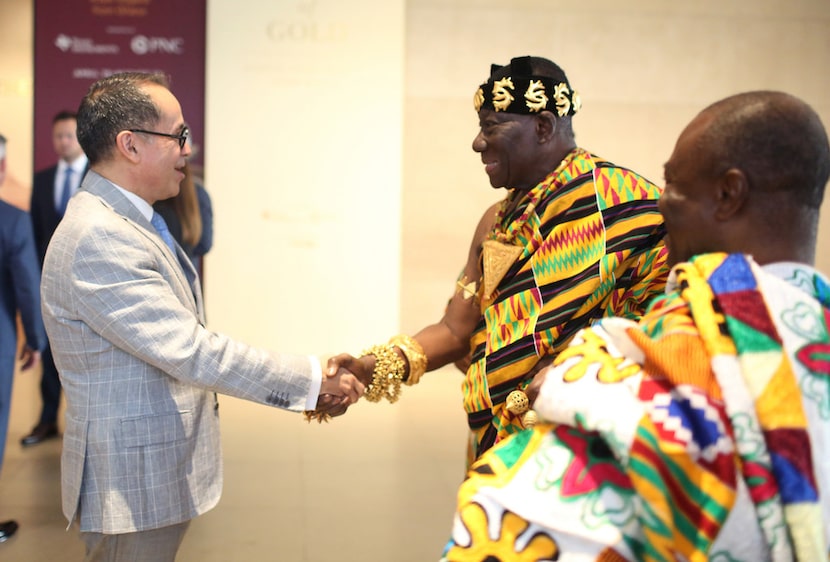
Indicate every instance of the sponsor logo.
{"type": "Point", "coordinates": [84, 45]}
{"type": "Point", "coordinates": [143, 45]}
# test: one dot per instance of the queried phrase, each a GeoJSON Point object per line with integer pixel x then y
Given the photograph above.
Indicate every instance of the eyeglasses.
{"type": "Point", "coordinates": [182, 137]}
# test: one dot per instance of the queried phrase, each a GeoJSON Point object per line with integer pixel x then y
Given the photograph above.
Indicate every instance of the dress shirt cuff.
{"type": "Point", "coordinates": [316, 382]}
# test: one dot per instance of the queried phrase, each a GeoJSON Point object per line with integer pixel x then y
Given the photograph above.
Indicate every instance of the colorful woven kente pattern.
{"type": "Point", "coordinates": [591, 247]}
{"type": "Point", "coordinates": [701, 432]}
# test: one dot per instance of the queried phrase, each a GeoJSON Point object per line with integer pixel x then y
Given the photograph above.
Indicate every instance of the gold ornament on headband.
{"type": "Point", "coordinates": [563, 103]}
{"type": "Point", "coordinates": [576, 102]}
{"type": "Point", "coordinates": [501, 97]}
{"type": "Point", "coordinates": [535, 97]}
{"type": "Point", "coordinates": [547, 90]}
{"type": "Point", "coordinates": [478, 99]}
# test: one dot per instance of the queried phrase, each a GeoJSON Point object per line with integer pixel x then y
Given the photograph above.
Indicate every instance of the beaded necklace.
{"type": "Point", "coordinates": [511, 231]}
{"type": "Point", "coordinates": [504, 231]}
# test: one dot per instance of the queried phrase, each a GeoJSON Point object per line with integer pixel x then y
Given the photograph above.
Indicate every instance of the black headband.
{"type": "Point", "coordinates": [537, 93]}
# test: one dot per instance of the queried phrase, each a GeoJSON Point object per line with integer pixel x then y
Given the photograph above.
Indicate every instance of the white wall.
{"type": "Point", "coordinates": [303, 161]}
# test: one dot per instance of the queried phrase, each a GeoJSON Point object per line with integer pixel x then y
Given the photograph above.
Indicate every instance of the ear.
{"type": "Point", "coordinates": [732, 193]}
{"type": "Point", "coordinates": [545, 124]}
{"type": "Point", "coordinates": [125, 144]}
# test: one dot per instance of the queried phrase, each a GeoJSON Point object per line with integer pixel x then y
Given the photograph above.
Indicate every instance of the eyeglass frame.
{"type": "Point", "coordinates": [181, 137]}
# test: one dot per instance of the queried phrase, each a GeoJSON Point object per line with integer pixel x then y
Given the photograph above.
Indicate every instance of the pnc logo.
{"type": "Point", "coordinates": [63, 42]}
{"type": "Point", "coordinates": [143, 45]}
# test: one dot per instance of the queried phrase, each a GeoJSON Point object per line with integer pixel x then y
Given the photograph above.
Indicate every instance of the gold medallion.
{"type": "Point", "coordinates": [498, 258]}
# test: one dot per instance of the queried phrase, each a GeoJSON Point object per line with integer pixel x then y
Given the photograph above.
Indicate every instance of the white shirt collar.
{"type": "Point", "coordinates": [143, 206]}
{"type": "Point", "coordinates": [78, 164]}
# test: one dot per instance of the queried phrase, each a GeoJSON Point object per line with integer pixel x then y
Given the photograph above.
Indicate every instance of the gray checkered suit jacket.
{"type": "Point", "coordinates": [141, 448]}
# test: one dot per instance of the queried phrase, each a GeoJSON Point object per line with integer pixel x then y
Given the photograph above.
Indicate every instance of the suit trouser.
{"type": "Point", "coordinates": [155, 545]}
{"type": "Point", "coordinates": [6, 383]}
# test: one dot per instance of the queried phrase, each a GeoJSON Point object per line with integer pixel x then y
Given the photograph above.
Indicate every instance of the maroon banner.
{"type": "Point", "coordinates": [79, 41]}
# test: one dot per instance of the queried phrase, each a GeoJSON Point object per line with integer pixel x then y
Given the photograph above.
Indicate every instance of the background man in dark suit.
{"type": "Point", "coordinates": [51, 189]}
{"type": "Point", "coordinates": [19, 291]}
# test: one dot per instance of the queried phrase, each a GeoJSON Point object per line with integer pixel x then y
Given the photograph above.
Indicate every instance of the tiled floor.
{"type": "Point", "coordinates": [377, 484]}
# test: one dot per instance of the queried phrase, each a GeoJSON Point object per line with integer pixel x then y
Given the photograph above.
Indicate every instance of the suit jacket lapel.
{"type": "Point", "coordinates": [102, 188]}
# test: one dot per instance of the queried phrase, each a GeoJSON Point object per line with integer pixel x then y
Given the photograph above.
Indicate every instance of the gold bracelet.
{"type": "Point", "coordinates": [415, 356]}
{"type": "Point", "coordinates": [311, 415]}
{"type": "Point", "coordinates": [387, 376]}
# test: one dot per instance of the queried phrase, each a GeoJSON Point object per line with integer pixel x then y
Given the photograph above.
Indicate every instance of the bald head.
{"type": "Point", "coordinates": [776, 139]}
{"type": "Point", "coordinates": [748, 175]}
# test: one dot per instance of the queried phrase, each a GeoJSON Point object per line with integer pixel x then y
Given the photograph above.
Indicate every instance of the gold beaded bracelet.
{"type": "Point", "coordinates": [311, 415]}
{"type": "Point", "coordinates": [387, 376]}
{"type": "Point", "coordinates": [415, 356]}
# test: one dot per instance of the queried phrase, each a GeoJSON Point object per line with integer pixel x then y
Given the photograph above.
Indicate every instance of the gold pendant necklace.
{"type": "Point", "coordinates": [501, 252]}
{"type": "Point", "coordinates": [498, 258]}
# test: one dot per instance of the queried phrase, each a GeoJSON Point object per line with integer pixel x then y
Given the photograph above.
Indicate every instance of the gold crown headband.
{"type": "Point", "coordinates": [538, 93]}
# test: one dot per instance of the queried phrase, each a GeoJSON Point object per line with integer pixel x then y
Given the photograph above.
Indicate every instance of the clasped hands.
{"type": "Point", "coordinates": [346, 378]}
{"type": "Point", "coordinates": [344, 381]}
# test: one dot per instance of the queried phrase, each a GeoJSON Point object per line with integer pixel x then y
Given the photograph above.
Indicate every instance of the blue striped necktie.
{"type": "Point", "coordinates": [161, 227]}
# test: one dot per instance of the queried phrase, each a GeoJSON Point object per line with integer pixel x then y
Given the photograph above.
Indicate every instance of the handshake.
{"type": "Point", "coordinates": [378, 373]}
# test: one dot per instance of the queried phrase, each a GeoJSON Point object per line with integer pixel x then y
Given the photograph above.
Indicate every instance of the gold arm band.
{"type": "Point", "coordinates": [467, 288]}
{"type": "Point", "coordinates": [387, 376]}
{"type": "Point", "coordinates": [415, 356]}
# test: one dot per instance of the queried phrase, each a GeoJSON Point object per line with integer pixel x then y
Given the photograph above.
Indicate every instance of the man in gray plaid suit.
{"type": "Point", "coordinates": [124, 314]}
